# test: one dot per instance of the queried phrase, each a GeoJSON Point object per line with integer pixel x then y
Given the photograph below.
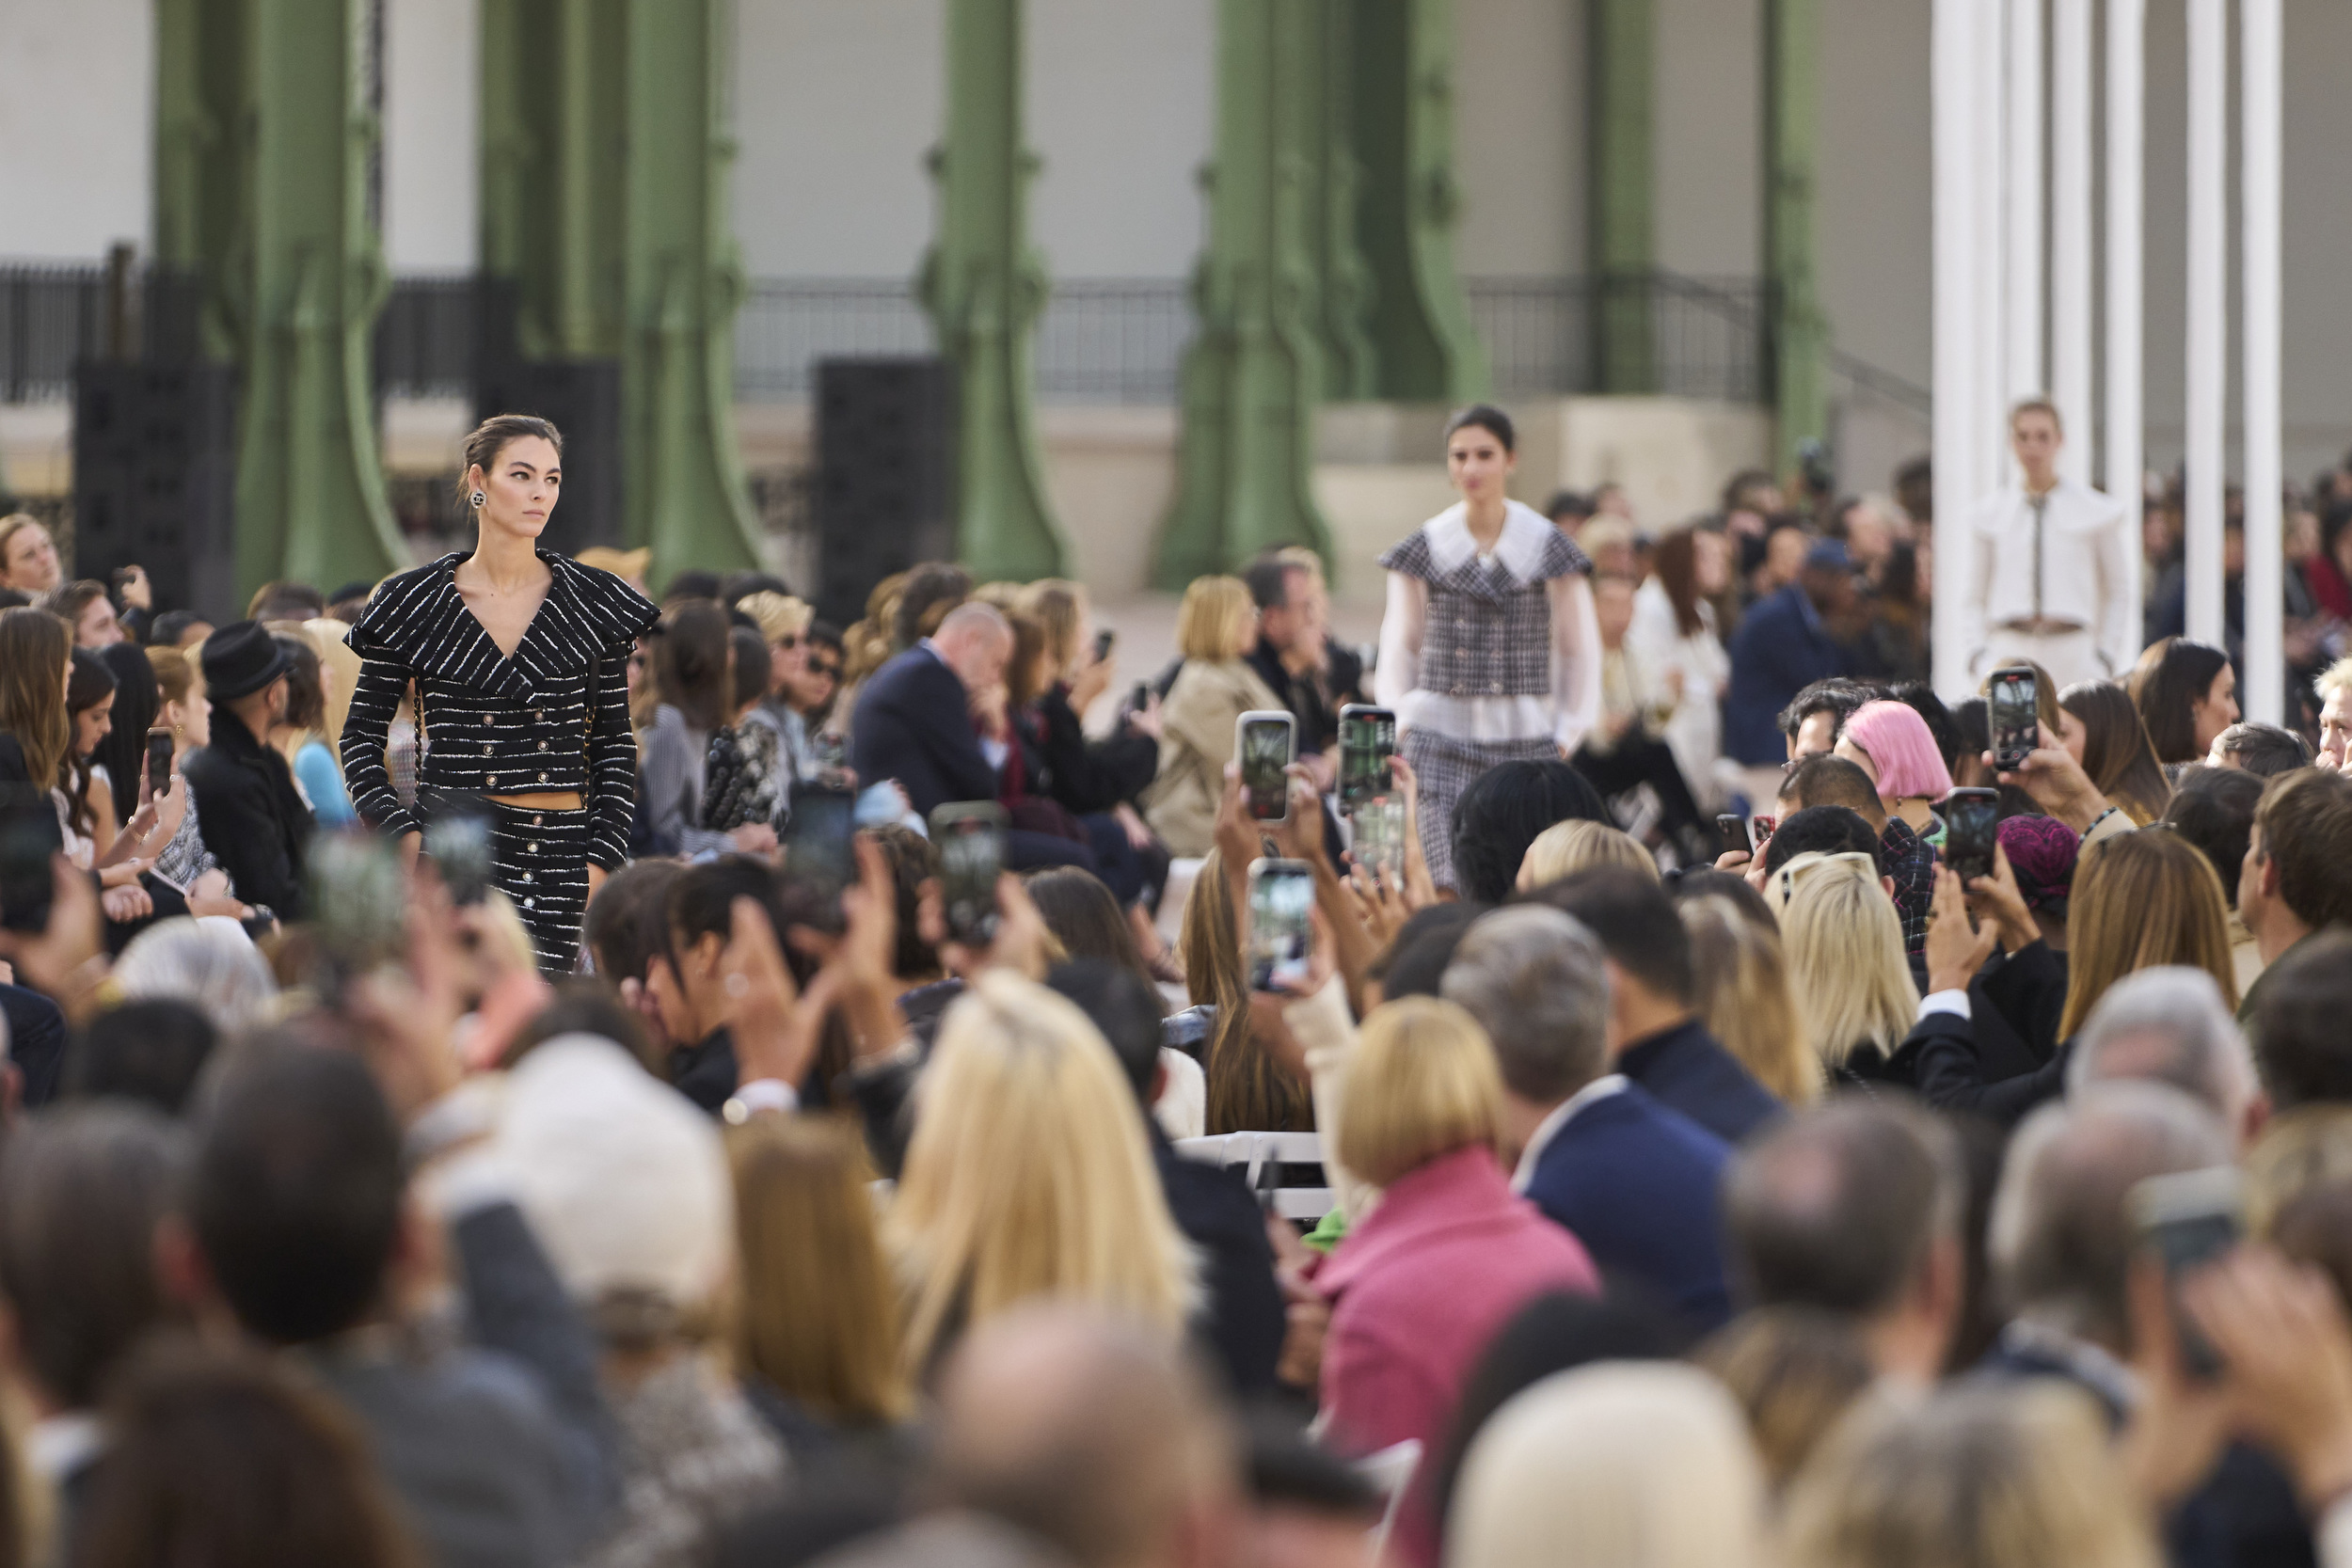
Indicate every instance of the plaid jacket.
{"type": "Point", "coordinates": [1910, 861]}
{"type": "Point", "coordinates": [1490, 631]}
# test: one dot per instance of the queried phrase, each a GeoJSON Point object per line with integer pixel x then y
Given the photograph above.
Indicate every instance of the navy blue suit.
{"type": "Point", "coordinates": [1688, 1069]}
{"type": "Point", "coordinates": [1781, 648]}
{"type": "Point", "coordinates": [914, 723]}
{"type": "Point", "coordinates": [1641, 1185]}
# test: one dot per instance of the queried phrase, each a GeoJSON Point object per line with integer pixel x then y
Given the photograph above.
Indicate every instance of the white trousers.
{"type": "Point", "coordinates": [2069, 657]}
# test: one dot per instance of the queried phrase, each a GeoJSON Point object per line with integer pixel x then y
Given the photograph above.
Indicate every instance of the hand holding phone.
{"type": "Point", "coordinates": [1731, 829]}
{"type": "Point", "coordinates": [1971, 820]}
{"type": "Point", "coordinates": [1281, 934]}
{"type": "Point", "coordinates": [1367, 741]}
{"type": "Point", "coordinates": [2013, 715]}
{"type": "Point", "coordinates": [1266, 742]}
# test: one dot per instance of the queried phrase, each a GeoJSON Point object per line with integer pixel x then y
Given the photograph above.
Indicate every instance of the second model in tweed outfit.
{"type": "Point", "coordinates": [1485, 659]}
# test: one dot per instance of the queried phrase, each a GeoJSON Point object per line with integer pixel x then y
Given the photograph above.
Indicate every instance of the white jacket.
{"type": "Point", "coordinates": [2078, 574]}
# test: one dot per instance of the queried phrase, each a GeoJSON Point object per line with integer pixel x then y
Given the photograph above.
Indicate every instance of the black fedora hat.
{"type": "Point", "coordinates": [239, 659]}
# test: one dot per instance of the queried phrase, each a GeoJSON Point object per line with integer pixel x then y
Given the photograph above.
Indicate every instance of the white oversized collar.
{"type": "Point", "coordinates": [1519, 548]}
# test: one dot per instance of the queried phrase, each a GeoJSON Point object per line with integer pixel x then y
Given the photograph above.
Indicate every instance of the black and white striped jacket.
{"type": "Point", "coordinates": [552, 717]}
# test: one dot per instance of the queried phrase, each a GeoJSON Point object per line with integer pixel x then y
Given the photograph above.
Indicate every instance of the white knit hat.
{"type": "Point", "coordinates": [623, 1181]}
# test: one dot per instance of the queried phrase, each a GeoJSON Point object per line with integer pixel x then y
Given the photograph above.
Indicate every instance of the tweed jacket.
{"type": "Point", "coordinates": [552, 717]}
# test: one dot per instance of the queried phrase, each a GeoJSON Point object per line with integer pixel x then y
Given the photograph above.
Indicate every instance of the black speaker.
{"type": "Point", "coordinates": [885, 474]}
{"type": "Point", "coordinates": [155, 480]}
{"type": "Point", "coordinates": [583, 398]}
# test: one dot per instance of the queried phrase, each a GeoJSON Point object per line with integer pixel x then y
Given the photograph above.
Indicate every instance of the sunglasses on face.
{"type": "Point", "coordinates": [789, 641]}
{"type": "Point", "coordinates": [825, 671]}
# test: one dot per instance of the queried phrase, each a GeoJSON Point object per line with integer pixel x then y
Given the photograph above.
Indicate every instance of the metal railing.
{"type": "Point", "coordinates": [1098, 340]}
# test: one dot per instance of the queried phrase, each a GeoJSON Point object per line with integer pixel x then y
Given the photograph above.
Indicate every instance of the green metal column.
{"type": "Point", "coordinates": [1344, 281]}
{"type": "Point", "coordinates": [1620, 231]}
{"type": "Point", "coordinates": [1255, 370]}
{"type": "Point", "coordinates": [1800, 334]}
{"type": "Point", "coordinates": [1404, 113]}
{"type": "Point", "coordinates": [984, 284]}
{"type": "Point", "coordinates": [263, 143]}
{"type": "Point", "coordinates": [683, 283]}
{"type": "Point", "coordinates": [606, 155]}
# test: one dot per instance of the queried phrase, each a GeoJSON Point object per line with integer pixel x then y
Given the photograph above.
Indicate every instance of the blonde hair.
{"type": "Point", "coordinates": [1846, 963]}
{"type": "Point", "coordinates": [817, 1321]}
{"type": "Point", "coordinates": [1215, 621]}
{"type": "Point", "coordinates": [2141, 899]}
{"type": "Point", "coordinates": [2336, 677]}
{"type": "Point", "coordinates": [1424, 1083]}
{"type": "Point", "coordinates": [1029, 1175]}
{"type": "Point", "coordinates": [1742, 996]}
{"type": "Point", "coordinates": [2297, 1150]}
{"type": "Point", "coordinates": [1566, 847]}
{"type": "Point", "coordinates": [1795, 1370]}
{"type": "Point", "coordinates": [1981, 1475]}
{"type": "Point", "coordinates": [176, 670]}
{"type": "Point", "coordinates": [1059, 606]}
{"type": "Point", "coordinates": [1248, 1091]}
{"type": "Point", "coordinates": [778, 615]}
{"type": "Point", "coordinates": [1622, 1465]}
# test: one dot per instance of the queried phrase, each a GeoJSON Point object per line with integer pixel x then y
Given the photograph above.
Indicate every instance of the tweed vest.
{"type": "Point", "coordinates": [1489, 631]}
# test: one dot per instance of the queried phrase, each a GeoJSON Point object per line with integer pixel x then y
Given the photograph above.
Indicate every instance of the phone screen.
{"type": "Point", "coordinates": [2012, 712]}
{"type": "Point", "coordinates": [1378, 845]}
{"type": "Point", "coordinates": [1281, 894]}
{"type": "Point", "coordinates": [1367, 741]}
{"type": "Point", "coordinates": [1760, 831]}
{"type": "Point", "coordinates": [2189, 1220]}
{"type": "Point", "coordinates": [28, 836]}
{"type": "Point", "coordinates": [158, 760]}
{"type": "Point", "coordinates": [971, 844]}
{"type": "Point", "coordinates": [359, 905]}
{"type": "Point", "coordinates": [1971, 818]}
{"type": "Point", "coordinates": [1266, 750]}
{"type": "Point", "coordinates": [817, 837]}
{"type": "Point", "coordinates": [458, 842]}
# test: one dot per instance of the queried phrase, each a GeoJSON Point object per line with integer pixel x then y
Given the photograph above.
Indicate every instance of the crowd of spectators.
{"type": "Point", "coordinates": [1665, 1201]}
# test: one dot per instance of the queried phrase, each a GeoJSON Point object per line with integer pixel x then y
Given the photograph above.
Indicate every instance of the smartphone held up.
{"type": "Point", "coordinates": [1281, 939]}
{"type": "Point", "coordinates": [969, 836]}
{"type": "Point", "coordinates": [1266, 742]}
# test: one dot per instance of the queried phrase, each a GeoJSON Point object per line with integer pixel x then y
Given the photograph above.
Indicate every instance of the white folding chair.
{"type": "Point", "coordinates": [1391, 1472]}
{"type": "Point", "coordinates": [1285, 1151]}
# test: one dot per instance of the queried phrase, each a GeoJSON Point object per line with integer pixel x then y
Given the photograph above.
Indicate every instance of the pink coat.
{"type": "Point", "coordinates": [1418, 1289]}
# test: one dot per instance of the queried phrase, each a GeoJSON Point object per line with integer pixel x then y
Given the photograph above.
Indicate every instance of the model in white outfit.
{"type": "Point", "coordinates": [1490, 651]}
{"type": "Point", "coordinates": [1694, 731]}
{"type": "Point", "coordinates": [2048, 572]}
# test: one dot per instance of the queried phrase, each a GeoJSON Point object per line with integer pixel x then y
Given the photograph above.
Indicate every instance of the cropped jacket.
{"type": "Point", "coordinates": [553, 717]}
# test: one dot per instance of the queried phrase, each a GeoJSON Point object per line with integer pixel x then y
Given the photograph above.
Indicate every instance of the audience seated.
{"type": "Point", "coordinates": [1632, 1180]}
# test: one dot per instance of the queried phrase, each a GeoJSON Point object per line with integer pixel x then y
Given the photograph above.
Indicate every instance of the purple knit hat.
{"type": "Point", "coordinates": [2042, 852]}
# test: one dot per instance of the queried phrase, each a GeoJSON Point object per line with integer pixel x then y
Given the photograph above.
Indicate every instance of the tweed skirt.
{"type": "Point", "coordinates": [1444, 768]}
{"type": "Point", "coordinates": [539, 859]}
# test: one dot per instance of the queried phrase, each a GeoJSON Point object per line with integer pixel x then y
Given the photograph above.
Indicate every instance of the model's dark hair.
{"type": "Point", "coordinates": [1486, 416]}
{"type": "Point", "coordinates": [491, 436]}
{"type": "Point", "coordinates": [2172, 678]}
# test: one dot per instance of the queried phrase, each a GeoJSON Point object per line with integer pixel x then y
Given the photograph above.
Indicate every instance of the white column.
{"type": "Point", "coordinates": [2259, 61]}
{"type": "Point", "coordinates": [2208, 304]}
{"type": "Point", "coordinates": [1959, 147]}
{"type": "Point", "coordinates": [2070, 231]}
{"type": "Point", "coordinates": [2126, 133]}
{"type": "Point", "coordinates": [1987, 453]}
{"type": "Point", "coordinates": [2023, 284]}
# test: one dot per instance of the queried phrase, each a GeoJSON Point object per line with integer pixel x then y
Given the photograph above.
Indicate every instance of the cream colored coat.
{"type": "Point", "coordinates": [1195, 743]}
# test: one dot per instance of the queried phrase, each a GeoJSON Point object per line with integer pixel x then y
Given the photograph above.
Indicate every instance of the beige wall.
{"type": "Point", "coordinates": [1518, 138]}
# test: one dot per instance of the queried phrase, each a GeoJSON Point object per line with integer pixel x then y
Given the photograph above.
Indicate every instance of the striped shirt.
{"type": "Point", "coordinates": [553, 717]}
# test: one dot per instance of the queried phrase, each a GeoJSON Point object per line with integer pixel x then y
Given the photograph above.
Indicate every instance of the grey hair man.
{"type": "Point", "coordinates": [1635, 1180]}
{"type": "Point", "coordinates": [1855, 1208]}
{"type": "Point", "coordinates": [2061, 1241]}
{"type": "Point", "coordinates": [2170, 1024]}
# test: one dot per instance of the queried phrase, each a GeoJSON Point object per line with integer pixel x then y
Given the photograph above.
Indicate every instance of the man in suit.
{"type": "Point", "coordinates": [251, 816]}
{"type": "Point", "coordinates": [914, 723]}
{"type": "Point", "coordinates": [1655, 1037]}
{"type": "Point", "coordinates": [1784, 644]}
{"type": "Point", "coordinates": [1635, 1180]}
{"type": "Point", "coordinates": [1854, 1208]}
{"type": "Point", "coordinates": [913, 719]}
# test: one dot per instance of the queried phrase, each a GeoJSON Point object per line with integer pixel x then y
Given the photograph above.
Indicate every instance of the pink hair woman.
{"type": "Point", "coordinates": [1890, 741]}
